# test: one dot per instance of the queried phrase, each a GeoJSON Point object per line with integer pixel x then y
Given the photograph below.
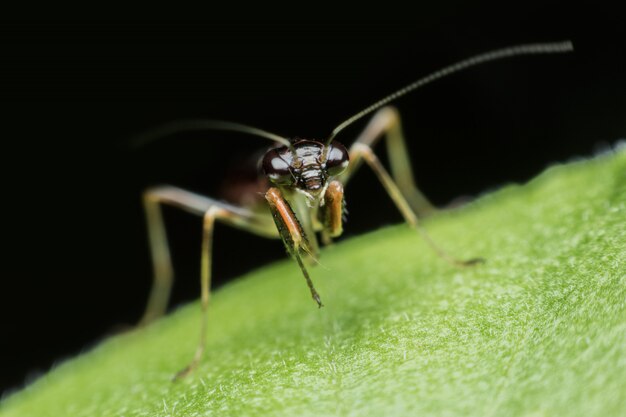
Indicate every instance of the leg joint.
{"type": "Point", "coordinates": [362, 149]}
{"type": "Point", "coordinates": [389, 114]}
{"type": "Point", "coordinates": [211, 214]}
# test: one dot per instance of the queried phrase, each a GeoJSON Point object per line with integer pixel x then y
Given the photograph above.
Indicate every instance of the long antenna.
{"type": "Point", "coordinates": [528, 49]}
{"type": "Point", "coordinates": [203, 124]}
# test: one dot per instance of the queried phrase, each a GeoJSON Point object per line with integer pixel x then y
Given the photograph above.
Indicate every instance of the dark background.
{"type": "Point", "coordinates": [75, 263]}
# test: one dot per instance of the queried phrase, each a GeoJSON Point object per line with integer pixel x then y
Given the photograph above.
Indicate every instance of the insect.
{"type": "Point", "coordinates": [303, 190]}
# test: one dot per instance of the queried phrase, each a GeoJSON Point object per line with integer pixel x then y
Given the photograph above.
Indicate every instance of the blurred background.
{"type": "Point", "coordinates": [76, 264]}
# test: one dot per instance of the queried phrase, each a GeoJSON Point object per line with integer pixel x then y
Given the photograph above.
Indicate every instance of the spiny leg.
{"type": "Point", "coordinates": [309, 282]}
{"type": "Point", "coordinates": [363, 152]}
{"type": "Point", "coordinates": [292, 234]}
{"type": "Point", "coordinates": [332, 212]}
{"type": "Point", "coordinates": [211, 210]}
{"type": "Point", "coordinates": [386, 123]}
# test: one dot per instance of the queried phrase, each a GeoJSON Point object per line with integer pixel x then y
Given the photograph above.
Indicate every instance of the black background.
{"type": "Point", "coordinates": [75, 261]}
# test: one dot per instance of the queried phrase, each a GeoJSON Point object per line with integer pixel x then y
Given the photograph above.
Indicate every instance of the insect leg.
{"type": "Point", "coordinates": [362, 152]}
{"type": "Point", "coordinates": [211, 210]}
{"type": "Point", "coordinates": [386, 123]}
{"type": "Point", "coordinates": [292, 234]}
{"type": "Point", "coordinates": [163, 273]}
{"type": "Point", "coordinates": [332, 212]}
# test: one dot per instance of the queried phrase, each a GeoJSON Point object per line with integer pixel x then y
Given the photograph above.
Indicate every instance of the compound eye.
{"type": "Point", "coordinates": [276, 168]}
{"type": "Point", "coordinates": [337, 160]}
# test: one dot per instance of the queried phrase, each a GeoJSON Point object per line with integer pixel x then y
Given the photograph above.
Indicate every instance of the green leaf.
{"type": "Point", "coordinates": [540, 329]}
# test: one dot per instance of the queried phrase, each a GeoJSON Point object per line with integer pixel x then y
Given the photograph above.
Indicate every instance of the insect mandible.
{"type": "Point", "coordinates": [304, 195]}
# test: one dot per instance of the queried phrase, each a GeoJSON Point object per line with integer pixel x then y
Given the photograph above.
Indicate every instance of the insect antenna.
{"type": "Point", "coordinates": [175, 127]}
{"type": "Point", "coordinates": [527, 49]}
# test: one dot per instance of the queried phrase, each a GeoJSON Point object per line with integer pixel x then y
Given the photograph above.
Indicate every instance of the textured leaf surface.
{"type": "Point", "coordinates": [540, 329]}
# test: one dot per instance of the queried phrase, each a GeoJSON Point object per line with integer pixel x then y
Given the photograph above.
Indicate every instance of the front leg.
{"type": "Point", "coordinates": [332, 212]}
{"type": "Point", "coordinates": [292, 234]}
